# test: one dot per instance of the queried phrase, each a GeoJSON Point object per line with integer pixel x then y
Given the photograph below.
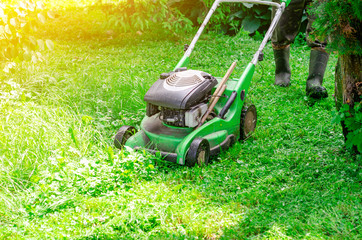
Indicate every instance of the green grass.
{"type": "Point", "coordinates": [61, 177]}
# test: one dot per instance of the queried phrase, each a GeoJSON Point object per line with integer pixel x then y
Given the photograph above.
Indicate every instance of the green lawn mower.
{"type": "Point", "coordinates": [192, 115]}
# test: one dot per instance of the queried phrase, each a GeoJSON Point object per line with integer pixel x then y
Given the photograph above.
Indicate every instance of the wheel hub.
{"type": "Point", "coordinates": [249, 122]}
{"type": "Point", "coordinates": [201, 157]}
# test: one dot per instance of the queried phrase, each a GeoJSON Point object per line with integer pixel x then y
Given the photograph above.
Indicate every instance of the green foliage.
{"type": "Point", "coordinates": [182, 15]}
{"type": "Point", "coordinates": [193, 9]}
{"type": "Point", "coordinates": [300, 40]}
{"type": "Point", "coordinates": [341, 22]}
{"type": "Point", "coordinates": [144, 15]}
{"type": "Point", "coordinates": [18, 23]}
{"type": "Point", "coordinates": [231, 17]}
{"type": "Point", "coordinates": [352, 118]}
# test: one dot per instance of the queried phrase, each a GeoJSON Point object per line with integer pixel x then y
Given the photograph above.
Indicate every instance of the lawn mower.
{"type": "Point", "coordinates": [192, 115]}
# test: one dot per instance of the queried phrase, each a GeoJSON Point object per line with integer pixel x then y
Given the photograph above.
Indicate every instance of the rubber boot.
{"type": "Point", "coordinates": [317, 67]}
{"type": "Point", "coordinates": [282, 68]}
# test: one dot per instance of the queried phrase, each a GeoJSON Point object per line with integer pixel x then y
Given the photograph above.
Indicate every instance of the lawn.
{"type": "Point", "coordinates": [61, 177]}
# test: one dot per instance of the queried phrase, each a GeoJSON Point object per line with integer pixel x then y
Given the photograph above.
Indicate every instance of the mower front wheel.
{"type": "Point", "coordinates": [199, 152]}
{"type": "Point", "coordinates": [123, 134]}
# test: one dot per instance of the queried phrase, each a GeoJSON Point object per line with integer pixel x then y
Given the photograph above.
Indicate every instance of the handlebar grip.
{"type": "Point", "coordinates": [286, 2]}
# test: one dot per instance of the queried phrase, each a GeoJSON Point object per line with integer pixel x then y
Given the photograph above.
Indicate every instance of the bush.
{"type": "Point", "coordinates": [17, 25]}
{"type": "Point", "coordinates": [352, 119]}
{"type": "Point", "coordinates": [340, 21]}
{"type": "Point", "coordinates": [229, 18]}
{"type": "Point", "coordinates": [144, 15]}
{"type": "Point", "coordinates": [182, 15]}
{"type": "Point", "coordinates": [193, 9]}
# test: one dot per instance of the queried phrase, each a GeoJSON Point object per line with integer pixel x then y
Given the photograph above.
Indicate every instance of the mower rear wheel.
{"type": "Point", "coordinates": [199, 152]}
{"type": "Point", "coordinates": [248, 121]}
{"type": "Point", "coordinates": [123, 134]}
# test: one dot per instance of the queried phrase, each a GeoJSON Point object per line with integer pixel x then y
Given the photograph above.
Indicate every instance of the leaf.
{"type": "Point", "coordinates": [13, 22]}
{"type": "Point", "coordinates": [4, 18]}
{"type": "Point", "coordinates": [31, 6]}
{"type": "Point", "coordinates": [7, 53]}
{"type": "Point", "coordinates": [40, 44]}
{"type": "Point", "coordinates": [7, 29]}
{"type": "Point", "coordinates": [248, 5]}
{"type": "Point", "coordinates": [33, 42]}
{"type": "Point", "coordinates": [50, 14]}
{"type": "Point", "coordinates": [239, 14]}
{"type": "Point", "coordinates": [50, 44]}
{"type": "Point", "coordinates": [20, 56]}
{"type": "Point", "coordinates": [141, 24]}
{"type": "Point", "coordinates": [265, 17]}
{"type": "Point", "coordinates": [251, 24]}
{"type": "Point", "coordinates": [27, 56]}
{"type": "Point", "coordinates": [40, 5]}
{"type": "Point", "coordinates": [258, 11]}
{"type": "Point", "coordinates": [9, 67]}
{"type": "Point", "coordinates": [39, 56]}
{"type": "Point", "coordinates": [22, 5]}
{"type": "Point", "coordinates": [34, 59]}
{"type": "Point", "coordinates": [14, 52]}
{"type": "Point", "coordinates": [41, 18]}
{"type": "Point", "coordinates": [336, 119]}
{"type": "Point", "coordinates": [73, 136]}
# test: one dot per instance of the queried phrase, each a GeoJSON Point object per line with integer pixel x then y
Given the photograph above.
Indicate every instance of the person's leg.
{"type": "Point", "coordinates": [282, 68]}
{"type": "Point", "coordinates": [317, 64]}
{"type": "Point", "coordinates": [284, 34]}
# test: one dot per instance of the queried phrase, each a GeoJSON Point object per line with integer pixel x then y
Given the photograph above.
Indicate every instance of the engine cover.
{"type": "Point", "coordinates": [181, 90]}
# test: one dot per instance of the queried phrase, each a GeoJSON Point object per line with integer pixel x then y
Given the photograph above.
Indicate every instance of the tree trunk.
{"type": "Point", "coordinates": [348, 83]}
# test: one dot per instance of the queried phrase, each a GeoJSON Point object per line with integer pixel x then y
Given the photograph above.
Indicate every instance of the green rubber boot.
{"type": "Point", "coordinates": [317, 67]}
{"type": "Point", "coordinates": [282, 68]}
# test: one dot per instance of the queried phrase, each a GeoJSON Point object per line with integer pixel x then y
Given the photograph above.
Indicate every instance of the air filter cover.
{"type": "Point", "coordinates": [181, 90]}
{"type": "Point", "coordinates": [184, 79]}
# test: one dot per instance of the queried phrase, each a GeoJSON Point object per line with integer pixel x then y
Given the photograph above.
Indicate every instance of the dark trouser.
{"type": "Point", "coordinates": [289, 24]}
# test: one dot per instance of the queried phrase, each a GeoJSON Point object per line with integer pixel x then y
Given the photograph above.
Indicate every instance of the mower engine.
{"type": "Point", "coordinates": [180, 97]}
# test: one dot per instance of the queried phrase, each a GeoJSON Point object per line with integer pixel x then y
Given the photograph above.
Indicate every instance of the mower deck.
{"type": "Point", "coordinates": [158, 138]}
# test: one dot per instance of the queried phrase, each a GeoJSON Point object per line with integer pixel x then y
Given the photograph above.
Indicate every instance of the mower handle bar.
{"type": "Point", "coordinates": [280, 8]}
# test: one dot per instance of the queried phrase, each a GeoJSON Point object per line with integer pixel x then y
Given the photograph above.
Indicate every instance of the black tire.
{"type": "Point", "coordinates": [199, 152]}
{"type": "Point", "coordinates": [123, 134]}
{"type": "Point", "coordinates": [248, 121]}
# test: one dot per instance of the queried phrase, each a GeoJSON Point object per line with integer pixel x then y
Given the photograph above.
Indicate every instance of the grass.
{"type": "Point", "coordinates": [61, 177]}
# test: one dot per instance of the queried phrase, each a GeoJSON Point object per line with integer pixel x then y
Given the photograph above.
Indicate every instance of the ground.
{"type": "Point", "coordinates": [62, 178]}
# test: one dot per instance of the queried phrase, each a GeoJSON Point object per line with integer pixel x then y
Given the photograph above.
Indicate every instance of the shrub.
{"type": "Point", "coordinates": [193, 9]}
{"type": "Point", "coordinates": [231, 17]}
{"type": "Point", "coordinates": [144, 15]}
{"type": "Point", "coordinates": [352, 119]}
{"type": "Point", "coordinates": [17, 26]}
{"type": "Point", "coordinates": [340, 21]}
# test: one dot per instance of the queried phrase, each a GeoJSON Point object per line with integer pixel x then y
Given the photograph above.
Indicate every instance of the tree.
{"type": "Point", "coordinates": [341, 22]}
